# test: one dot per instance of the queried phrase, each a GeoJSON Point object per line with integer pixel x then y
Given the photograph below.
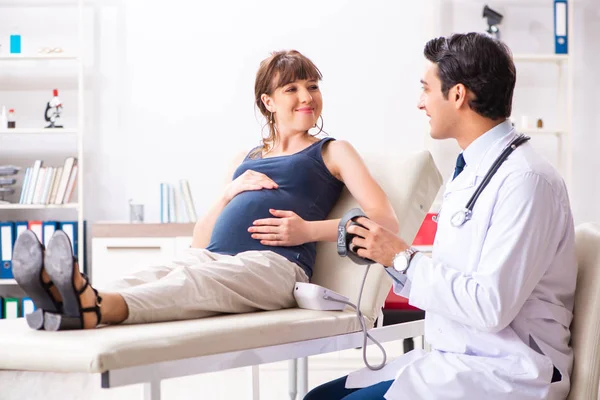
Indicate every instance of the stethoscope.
{"type": "Point", "coordinates": [464, 215]}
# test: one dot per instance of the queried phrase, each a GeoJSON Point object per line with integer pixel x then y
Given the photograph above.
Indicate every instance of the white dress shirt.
{"type": "Point", "coordinates": [498, 291]}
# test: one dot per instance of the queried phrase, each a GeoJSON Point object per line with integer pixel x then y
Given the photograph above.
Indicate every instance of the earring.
{"type": "Point", "coordinates": [271, 119]}
{"type": "Point", "coordinates": [320, 127]}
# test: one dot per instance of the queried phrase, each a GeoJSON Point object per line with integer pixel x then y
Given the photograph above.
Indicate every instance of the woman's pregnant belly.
{"type": "Point", "coordinates": [230, 234]}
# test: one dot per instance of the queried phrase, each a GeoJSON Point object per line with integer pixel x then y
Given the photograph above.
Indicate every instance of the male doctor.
{"type": "Point", "coordinates": [498, 290]}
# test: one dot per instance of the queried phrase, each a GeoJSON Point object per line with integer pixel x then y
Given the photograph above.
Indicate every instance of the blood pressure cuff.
{"type": "Point", "coordinates": [344, 239]}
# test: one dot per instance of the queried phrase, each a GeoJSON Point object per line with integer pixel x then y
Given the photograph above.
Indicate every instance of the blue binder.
{"type": "Point", "coordinates": [71, 229]}
{"type": "Point", "coordinates": [561, 43]}
{"type": "Point", "coordinates": [48, 228]}
{"type": "Point", "coordinates": [20, 227]}
{"type": "Point", "coordinates": [7, 240]}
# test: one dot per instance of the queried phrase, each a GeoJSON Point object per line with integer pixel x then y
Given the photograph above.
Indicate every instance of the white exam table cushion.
{"type": "Point", "coordinates": [124, 346]}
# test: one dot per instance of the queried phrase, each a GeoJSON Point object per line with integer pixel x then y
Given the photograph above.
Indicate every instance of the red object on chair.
{"type": "Point", "coordinates": [426, 233]}
{"type": "Point", "coordinates": [395, 302]}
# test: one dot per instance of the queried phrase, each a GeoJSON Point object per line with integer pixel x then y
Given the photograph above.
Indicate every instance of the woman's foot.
{"type": "Point", "coordinates": [81, 303]}
{"type": "Point", "coordinates": [87, 298]}
{"type": "Point", "coordinates": [28, 271]}
{"type": "Point", "coordinates": [51, 288]}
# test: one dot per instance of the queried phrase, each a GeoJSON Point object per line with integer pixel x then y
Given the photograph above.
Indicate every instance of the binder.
{"type": "Point", "coordinates": [48, 228]}
{"type": "Point", "coordinates": [6, 246]}
{"type": "Point", "coordinates": [561, 43]}
{"type": "Point", "coordinates": [11, 308]}
{"type": "Point", "coordinates": [1, 307]}
{"type": "Point", "coordinates": [36, 227]}
{"type": "Point", "coordinates": [20, 227]}
{"type": "Point", "coordinates": [27, 306]}
{"type": "Point", "coordinates": [71, 229]}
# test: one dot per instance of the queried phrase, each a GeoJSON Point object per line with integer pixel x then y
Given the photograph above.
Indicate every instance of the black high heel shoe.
{"type": "Point", "coordinates": [59, 263]}
{"type": "Point", "coordinates": [27, 265]}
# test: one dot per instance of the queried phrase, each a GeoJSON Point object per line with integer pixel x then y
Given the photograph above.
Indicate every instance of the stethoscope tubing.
{"type": "Point", "coordinates": [458, 220]}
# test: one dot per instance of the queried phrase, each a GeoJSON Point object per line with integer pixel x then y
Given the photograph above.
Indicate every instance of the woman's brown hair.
{"type": "Point", "coordinates": [281, 68]}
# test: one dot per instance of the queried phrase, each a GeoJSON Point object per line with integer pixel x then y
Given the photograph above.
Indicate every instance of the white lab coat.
{"type": "Point", "coordinates": [498, 291]}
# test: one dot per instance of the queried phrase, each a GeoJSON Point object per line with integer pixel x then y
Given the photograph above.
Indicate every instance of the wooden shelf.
{"type": "Point", "coordinates": [38, 206]}
{"type": "Point", "coordinates": [557, 58]}
{"type": "Point", "coordinates": [38, 131]}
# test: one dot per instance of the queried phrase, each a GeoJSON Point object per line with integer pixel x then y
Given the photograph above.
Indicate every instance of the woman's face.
{"type": "Point", "coordinates": [295, 106]}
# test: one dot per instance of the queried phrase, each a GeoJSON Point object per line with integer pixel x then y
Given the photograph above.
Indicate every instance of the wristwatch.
{"type": "Point", "coordinates": [402, 260]}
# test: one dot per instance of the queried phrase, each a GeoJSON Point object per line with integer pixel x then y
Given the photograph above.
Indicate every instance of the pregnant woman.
{"type": "Point", "coordinates": [251, 247]}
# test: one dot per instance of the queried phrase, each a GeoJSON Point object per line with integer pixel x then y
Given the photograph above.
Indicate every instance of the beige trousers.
{"type": "Point", "coordinates": [205, 283]}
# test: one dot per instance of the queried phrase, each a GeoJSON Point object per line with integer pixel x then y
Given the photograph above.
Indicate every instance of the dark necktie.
{"type": "Point", "coordinates": [460, 165]}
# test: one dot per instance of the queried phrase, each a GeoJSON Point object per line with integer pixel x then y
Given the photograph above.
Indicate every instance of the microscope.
{"type": "Point", "coordinates": [53, 111]}
{"type": "Point", "coordinates": [494, 19]}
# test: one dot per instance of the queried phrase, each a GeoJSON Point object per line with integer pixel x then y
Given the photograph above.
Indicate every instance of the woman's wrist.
{"type": "Point", "coordinates": [323, 231]}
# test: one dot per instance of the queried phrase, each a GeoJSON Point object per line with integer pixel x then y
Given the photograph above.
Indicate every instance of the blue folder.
{"type": "Point", "coordinates": [7, 240]}
{"type": "Point", "coordinates": [561, 25]}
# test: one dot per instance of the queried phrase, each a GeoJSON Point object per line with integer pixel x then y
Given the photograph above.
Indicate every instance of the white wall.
{"type": "Point", "coordinates": [170, 88]}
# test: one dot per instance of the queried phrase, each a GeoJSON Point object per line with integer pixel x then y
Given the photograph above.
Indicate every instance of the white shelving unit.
{"type": "Point", "coordinates": [12, 62]}
{"type": "Point", "coordinates": [564, 101]}
{"type": "Point", "coordinates": [437, 25]}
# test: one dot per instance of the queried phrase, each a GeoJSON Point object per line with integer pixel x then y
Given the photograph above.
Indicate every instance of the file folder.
{"type": "Point", "coordinates": [28, 307]}
{"type": "Point", "coordinates": [36, 227]}
{"type": "Point", "coordinates": [48, 228]}
{"type": "Point", "coordinates": [20, 227]}
{"type": "Point", "coordinates": [561, 43]}
{"type": "Point", "coordinates": [71, 229]}
{"type": "Point", "coordinates": [11, 308]}
{"type": "Point", "coordinates": [6, 246]}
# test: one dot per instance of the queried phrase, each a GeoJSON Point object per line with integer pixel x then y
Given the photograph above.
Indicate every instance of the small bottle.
{"type": "Point", "coordinates": [15, 43]}
{"type": "Point", "coordinates": [11, 119]}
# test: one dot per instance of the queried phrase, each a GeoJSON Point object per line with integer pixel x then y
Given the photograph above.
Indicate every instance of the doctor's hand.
{"type": "Point", "coordinates": [378, 243]}
{"type": "Point", "coordinates": [288, 229]}
{"type": "Point", "coordinates": [249, 180]}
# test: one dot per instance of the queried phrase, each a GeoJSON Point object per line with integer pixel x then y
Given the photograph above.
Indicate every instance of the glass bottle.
{"type": "Point", "coordinates": [11, 118]}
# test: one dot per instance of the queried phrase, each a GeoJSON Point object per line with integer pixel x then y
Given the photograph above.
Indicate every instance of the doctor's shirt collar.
{"type": "Point", "coordinates": [476, 151]}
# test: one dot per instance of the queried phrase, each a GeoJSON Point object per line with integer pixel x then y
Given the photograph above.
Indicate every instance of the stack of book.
{"type": "Point", "coordinates": [173, 202]}
{"type": "Point", "coordinates": [49, 185]}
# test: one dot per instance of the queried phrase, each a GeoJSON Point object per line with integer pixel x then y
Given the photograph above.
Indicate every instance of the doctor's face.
{"type": "Point", "coordinates": [441, 111]}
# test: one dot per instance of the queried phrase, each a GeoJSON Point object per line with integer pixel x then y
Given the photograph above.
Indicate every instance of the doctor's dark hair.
{"type": "Point", "coordinates": [279, 69]}
{"type": "Point", "coordinates": [483, 64]}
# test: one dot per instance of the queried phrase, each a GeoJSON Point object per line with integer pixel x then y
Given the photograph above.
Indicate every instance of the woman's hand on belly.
{"type": "Point", "coordinates": [249, 180]}
{"type": "Point", "coordinates": [288, 229]}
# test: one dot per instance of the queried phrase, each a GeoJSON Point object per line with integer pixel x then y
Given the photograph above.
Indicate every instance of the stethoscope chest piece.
{"type": "Point", "coordinates": [460, 217]}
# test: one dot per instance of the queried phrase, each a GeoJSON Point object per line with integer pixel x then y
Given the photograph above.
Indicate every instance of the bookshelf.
{"type": "Point", "coordinates": [564, 101]}
{"type": "Point", "coordinates": [26, 64]}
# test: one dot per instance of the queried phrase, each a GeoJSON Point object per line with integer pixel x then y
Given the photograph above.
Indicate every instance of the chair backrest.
{"type": "Point", "coordinates": [411, 182]}
{"type": "Point", "coordinates": [585, 328]}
